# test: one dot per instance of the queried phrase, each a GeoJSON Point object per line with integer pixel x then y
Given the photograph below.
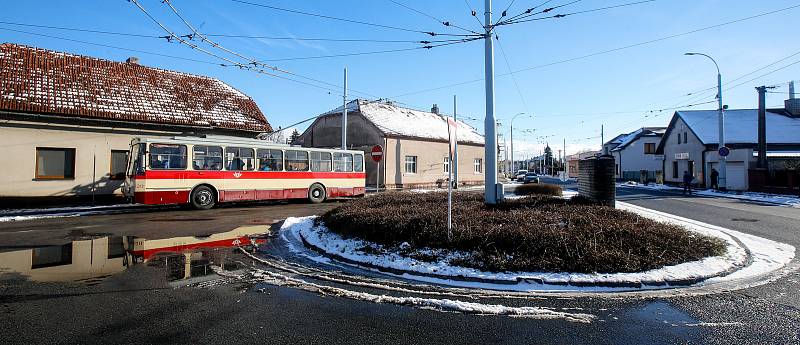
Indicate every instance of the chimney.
{"type": "Point", "coordinates": [792, 104]}
{"type": "Point", "coordinates": [132, 60]}
{"type": "Point", "coordinates": [435, 109]}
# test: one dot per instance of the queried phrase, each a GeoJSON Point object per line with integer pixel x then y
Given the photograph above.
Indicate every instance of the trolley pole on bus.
{"type": "Point", "coordinates": [344, 112]}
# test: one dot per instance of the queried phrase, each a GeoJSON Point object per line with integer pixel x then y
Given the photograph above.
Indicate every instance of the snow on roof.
{"type": "Point", "coordinates": [394, 120]}
{"type": "Point", "coordinates": [625, 139]}
{"type": "Point", "coordinates": [35, 80]}
{"type": "Point", "coordinates": [741, 126]}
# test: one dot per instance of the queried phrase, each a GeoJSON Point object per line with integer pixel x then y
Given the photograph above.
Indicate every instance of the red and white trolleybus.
{"type": "Point", "coordinates": [204, 171]}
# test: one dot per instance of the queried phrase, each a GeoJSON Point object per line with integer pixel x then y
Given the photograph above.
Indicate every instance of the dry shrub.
{"type": "Point", "coordinates": [538, 188]}
{"type": "Point", "coordinates": [535, 233]}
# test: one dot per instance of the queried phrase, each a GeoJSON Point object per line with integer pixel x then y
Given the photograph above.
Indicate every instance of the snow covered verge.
{"type": "Point", "coordinates": [746, 256]}
{"type": "Point", "coordinates": [779, 199]}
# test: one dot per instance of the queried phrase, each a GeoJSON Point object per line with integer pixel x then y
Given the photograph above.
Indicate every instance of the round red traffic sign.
{"type": "Point", "coordinates": [377, 153]}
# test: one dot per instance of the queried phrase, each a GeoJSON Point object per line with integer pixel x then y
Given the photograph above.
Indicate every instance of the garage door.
{"type": "Point", "coordinates": [736, 176]}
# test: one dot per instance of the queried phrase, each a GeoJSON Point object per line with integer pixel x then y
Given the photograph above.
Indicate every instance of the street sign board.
{"type": "Point", "coordinates": [724, 151]}
{"type": "Point", "coordinates": [377, 153]}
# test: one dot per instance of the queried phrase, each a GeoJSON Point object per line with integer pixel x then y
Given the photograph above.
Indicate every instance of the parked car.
{"type": "Point", "coordinates": [520, 175]}
{"type": "Point", "coordinates": [531, 177]}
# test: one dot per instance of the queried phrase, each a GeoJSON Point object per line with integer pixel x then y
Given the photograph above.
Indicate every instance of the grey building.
{"type": "Point", "coordinates": [415, 143]}
{"type": "Point", "coordinates": [690, 143]}
{"type": "Point", "coordinates": [635, 155]}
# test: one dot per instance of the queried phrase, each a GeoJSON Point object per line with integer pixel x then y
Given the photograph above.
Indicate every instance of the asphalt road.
{"type": "Point", "coordinates": [141, 304]}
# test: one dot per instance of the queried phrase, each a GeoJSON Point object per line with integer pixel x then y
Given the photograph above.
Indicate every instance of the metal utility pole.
{"type": "Point", "coordinates": [344, 112]}
{"type": "Point", "coordinates": [762, 127]}
{"type": "Point", "coordinates": [491, 187]}
{"type": "Point", "coordinates": [455, 149]}
{"type": "Point", "coordinates": [513, 166]}
{"type": "Point", "coordinates": [721, 120]}
{"type": "Point", "coordinates": [602, 141]}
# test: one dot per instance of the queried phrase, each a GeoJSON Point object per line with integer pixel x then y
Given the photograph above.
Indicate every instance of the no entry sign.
{"type": "Point", "coordinates": [377, 153]}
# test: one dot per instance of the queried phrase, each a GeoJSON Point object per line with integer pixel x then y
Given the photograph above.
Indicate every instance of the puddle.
{"type": "Point", "coordinates": [658, 320]}
{"type": "Point", "coordinates": [91, 259]}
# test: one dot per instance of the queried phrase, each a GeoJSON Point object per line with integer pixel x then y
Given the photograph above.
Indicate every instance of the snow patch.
{"type": "Point", "coordinates": [785, 200]}
{"type": "Point", "coordinates": [766, 256]}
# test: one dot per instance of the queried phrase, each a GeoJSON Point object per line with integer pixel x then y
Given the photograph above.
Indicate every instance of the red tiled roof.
{"type": "Point", "coordinates": [36, 80]}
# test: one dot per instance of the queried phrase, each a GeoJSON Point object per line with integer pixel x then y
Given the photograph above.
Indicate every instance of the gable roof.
{"type": "Point", "coordinates": [741, 126]}
{"type": "Point", "coordinates": [34, 80]}
{"type": "Point", "coordinates": [626, 139]}
{"type": "Point", "coordinates": [393, 120]}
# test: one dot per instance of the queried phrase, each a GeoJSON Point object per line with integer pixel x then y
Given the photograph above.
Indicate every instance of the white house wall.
{"type": "Point", "coordinates": [633, 158]}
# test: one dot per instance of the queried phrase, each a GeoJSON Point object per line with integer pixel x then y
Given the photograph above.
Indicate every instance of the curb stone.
{"type": "Point", "coordinates": [684, 282]}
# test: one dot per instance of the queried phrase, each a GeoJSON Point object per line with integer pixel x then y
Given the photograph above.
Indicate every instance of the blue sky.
{"type": "Point", "coordinates": [569, 100]}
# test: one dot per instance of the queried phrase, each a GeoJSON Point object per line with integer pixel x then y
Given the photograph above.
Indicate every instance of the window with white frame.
{"type": "Point", "coordinates": [446, 165]}
{"type": "Point", "coordinates": [478, 166]}
{"type": "Point", "coordinates": [411, 164]}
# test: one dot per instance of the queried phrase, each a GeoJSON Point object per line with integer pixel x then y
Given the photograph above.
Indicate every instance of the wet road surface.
{"type": "Point", "coordinates": [149, 301]}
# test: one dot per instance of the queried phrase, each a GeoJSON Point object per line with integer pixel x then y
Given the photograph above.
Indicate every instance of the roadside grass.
{"type": "Point", "coordinates": [538, 188]}
{"type": "Point", "coordinates": [535, 233]}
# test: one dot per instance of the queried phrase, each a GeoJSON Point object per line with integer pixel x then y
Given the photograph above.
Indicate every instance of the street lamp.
{"type": "Point", "coordinates": [513, 166]}
{"type": "Point", "coordinates": [722, 159]}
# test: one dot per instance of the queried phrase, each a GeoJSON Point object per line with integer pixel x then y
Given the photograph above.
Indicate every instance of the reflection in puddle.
{"type": "Point", "coordinates": [91, 260]}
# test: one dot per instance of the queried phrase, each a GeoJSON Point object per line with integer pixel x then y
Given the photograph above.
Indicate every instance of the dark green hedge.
{"type": "Point", "coordinates": [536, 233]}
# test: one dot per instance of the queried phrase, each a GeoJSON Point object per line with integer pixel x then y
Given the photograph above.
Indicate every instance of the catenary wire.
{"type": "Point", "coordinates": [346, 20]}
{"type": "Point", "coordinates": [440, 21]}
{"type": "Point", "coordinates": [610, 50]}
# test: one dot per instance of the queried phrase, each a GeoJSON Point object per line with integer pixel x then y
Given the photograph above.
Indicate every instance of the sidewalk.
{"type": "Point", "coordinates": [777, 199]}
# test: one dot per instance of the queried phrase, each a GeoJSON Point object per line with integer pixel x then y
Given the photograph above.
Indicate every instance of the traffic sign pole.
{"type": "Point", "coordinates": [377, 155]}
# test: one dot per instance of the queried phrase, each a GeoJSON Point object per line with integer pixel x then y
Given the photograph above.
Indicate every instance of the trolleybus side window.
{"type": "Point", "coordinates": [342, 162]}
{"type": "Point", "coordinates": [207, 157]}
{"type": "Point", "coordinates": [167, 156]}
{"type": "Point", "coordinates": [270, 160]}
{"type": "Point", "coordinates": [296, 161]}
{"type": "Point", "coordinates": [358, 163]}
{"type": "Point", "coordinates": [239, 158]}
{"type": "Point", "coordinates": [320, 161]}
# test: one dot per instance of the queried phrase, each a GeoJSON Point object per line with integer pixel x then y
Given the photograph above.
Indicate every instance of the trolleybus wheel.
{"type": "Point", "coordinates": [202, 198]}
{"type": "Point", "coordinates": [316, 193]}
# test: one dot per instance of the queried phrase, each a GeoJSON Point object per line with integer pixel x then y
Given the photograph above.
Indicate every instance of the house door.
{"type": "Point", "coordinates": [736, 176]}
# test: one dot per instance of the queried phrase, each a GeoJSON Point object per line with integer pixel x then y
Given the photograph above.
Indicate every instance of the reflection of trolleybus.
{"type": "Point", "coordinates": [204, 171]}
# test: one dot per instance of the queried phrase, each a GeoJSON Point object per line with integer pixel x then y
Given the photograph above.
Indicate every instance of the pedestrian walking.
{"type": "Point", "coordinates": [714, 179]}
{"type": "Point", "coordinates": [687, 182]}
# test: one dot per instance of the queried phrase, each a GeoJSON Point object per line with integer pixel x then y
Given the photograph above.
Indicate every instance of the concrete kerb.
{"type": "Point", "coordinates": [642, 285]}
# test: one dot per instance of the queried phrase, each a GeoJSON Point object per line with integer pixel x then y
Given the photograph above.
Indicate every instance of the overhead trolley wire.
{"type": "Point", "coordinates": [611, 50]}
{"type": "Point", "coordinates": [232, 63]}
{"type": "Point", "coordinates": [130, 34]}
{"type": "Point", "coordinates": [212, 43]}
{"type": "Point", "coordinates": [253, 62]}
{"type": "Point", "coordinates": [346, 20]}
{"type": "Point", "coordinates": [529, 12]}
{"type": "Point", "coordinates": [527, 18]}
{"type": "Point", "coordinates": [429, 46]}
{"type": "Point", "coordinates": [440, 21]}
{"type": "Point", "coordinates": [110, 46]}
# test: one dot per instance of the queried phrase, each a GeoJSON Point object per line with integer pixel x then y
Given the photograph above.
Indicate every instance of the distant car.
{"type": "Point", "coordinates": [531, 177]}
{"type": "Point", "coordinates": [520, 175]}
